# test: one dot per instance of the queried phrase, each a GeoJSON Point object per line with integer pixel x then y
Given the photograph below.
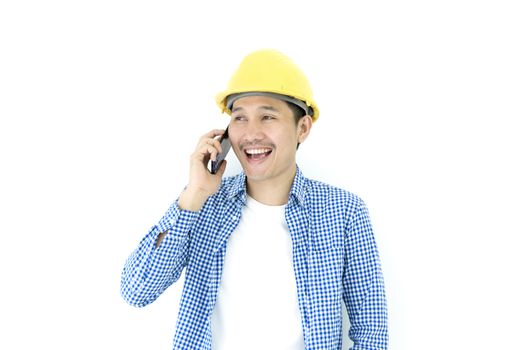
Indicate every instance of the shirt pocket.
{"type": "Point", "coordinates": [326, 240]}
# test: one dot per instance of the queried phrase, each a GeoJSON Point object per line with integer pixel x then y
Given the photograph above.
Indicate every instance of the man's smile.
{"type": "Point", "coordinates": [258, 153]}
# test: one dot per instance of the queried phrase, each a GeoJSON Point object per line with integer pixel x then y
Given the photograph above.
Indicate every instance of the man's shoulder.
{"type": "Point", "coordinates": [319, 190]}
{"type": "Point", "coordinates": [330, 203]}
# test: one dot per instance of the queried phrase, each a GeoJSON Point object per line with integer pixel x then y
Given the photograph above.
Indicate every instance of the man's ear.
{"type": "Point", "coordinates": [304, 127]}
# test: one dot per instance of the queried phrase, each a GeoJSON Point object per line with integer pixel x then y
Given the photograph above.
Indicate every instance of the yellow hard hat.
{"type": "Point", "coordinates": [269, 72]}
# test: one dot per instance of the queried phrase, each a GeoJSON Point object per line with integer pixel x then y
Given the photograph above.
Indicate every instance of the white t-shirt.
{"type": "Point", "coordinates": [257, 302]}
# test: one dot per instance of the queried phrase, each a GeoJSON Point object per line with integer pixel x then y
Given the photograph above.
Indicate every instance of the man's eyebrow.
{"type": "Point", "coordinates": [268, 108]}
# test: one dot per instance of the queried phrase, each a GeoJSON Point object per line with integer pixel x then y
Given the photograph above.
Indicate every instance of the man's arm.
{"type": "Point", "coordinates": [163, 252]}
{"type": "Point", "coordinates": [190, 200]}
{"type": "Point", "coordinates": [153, 267]}
{"type": "Point", "coordinates": [363, 285]}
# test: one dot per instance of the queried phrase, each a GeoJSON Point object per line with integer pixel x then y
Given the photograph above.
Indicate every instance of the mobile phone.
{"type": "Point", "coordinates": [226, 146]}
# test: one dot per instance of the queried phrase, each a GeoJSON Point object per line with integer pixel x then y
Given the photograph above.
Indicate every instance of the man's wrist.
{"type": "Point", "coordinates": [192, 200]}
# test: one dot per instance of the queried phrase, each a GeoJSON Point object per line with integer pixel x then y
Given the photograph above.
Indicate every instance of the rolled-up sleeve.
{"type": "Point", "coordinates": [363, 284]}
{"type": "Point", "coordinates": [150, 270]}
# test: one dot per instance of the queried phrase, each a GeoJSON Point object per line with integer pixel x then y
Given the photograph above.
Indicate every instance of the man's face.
{"type": "Point", "coordinates": [264, 136]}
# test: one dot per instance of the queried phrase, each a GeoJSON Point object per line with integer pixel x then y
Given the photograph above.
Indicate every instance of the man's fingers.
{"type": "Point", "coordinates": [206, 152]}
{"type": "Point", "coordinates": [211, 142]}
{"type": "Point", "coordinates": [206, 143]}
{"type": "Point", "coordinates": [212, 152]}
{"type": "Point", "coordinates": [217, 145]}
{"type": "Point", "coordinates": [212, 134]}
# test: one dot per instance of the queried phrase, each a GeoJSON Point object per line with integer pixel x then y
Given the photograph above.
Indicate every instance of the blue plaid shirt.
{"type": "Point", "coordinates": [335, 259]}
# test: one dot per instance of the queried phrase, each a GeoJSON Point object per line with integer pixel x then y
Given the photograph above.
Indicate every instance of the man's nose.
{"type": "Point", "coordinates": [253, 131]}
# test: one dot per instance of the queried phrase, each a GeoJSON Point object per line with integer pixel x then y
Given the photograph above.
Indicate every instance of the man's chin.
{"type": "Point", "coordinates": [255, 175]}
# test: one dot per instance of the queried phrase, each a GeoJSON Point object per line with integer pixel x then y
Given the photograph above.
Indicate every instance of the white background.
{"type": "Point", "coordinates": [101, 103]}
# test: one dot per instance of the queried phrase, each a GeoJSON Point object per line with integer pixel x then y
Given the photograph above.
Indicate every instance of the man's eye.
{"type": "Point", "coordinates": [268, 117]}
{"type": "Point", "coordinates": [240, 117]}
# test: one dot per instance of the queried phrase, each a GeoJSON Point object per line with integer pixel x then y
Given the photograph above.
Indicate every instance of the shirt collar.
{"type": "Point", "coordinates": [297, 193]}
{"type": "Point", "coordinates": [298, 189]}
{"type": "Point", "coordinates": [238, 188]}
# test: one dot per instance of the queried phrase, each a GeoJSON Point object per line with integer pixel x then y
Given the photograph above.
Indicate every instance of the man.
{"type": "Point", "coordinates": [270, 255]}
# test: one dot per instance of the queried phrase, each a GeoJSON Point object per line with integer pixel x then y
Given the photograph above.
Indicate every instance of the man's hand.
{"type": "Point", "coordinates": [202, 183]}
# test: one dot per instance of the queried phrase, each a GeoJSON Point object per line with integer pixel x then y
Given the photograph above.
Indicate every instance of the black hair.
{"type": "Point", "coordinates": [298, 112]}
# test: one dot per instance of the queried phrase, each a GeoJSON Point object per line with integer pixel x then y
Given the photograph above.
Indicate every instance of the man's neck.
{"type": "Point", "coordinates": [274, 192]}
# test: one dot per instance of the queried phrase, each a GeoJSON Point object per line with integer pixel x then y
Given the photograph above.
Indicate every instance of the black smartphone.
{"type": "Point", "coordinates": [226, 146]}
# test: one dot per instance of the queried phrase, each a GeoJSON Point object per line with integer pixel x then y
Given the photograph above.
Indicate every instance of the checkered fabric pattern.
{"type": "Point", "coordinates": [335, 260]}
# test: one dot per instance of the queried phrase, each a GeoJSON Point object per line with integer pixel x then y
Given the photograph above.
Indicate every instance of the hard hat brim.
{"type": "Point", "coordinates": [221, 101]}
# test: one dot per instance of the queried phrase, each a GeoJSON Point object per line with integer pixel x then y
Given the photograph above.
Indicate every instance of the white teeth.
{"type": "Point", "coordinates": [257, 150]}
